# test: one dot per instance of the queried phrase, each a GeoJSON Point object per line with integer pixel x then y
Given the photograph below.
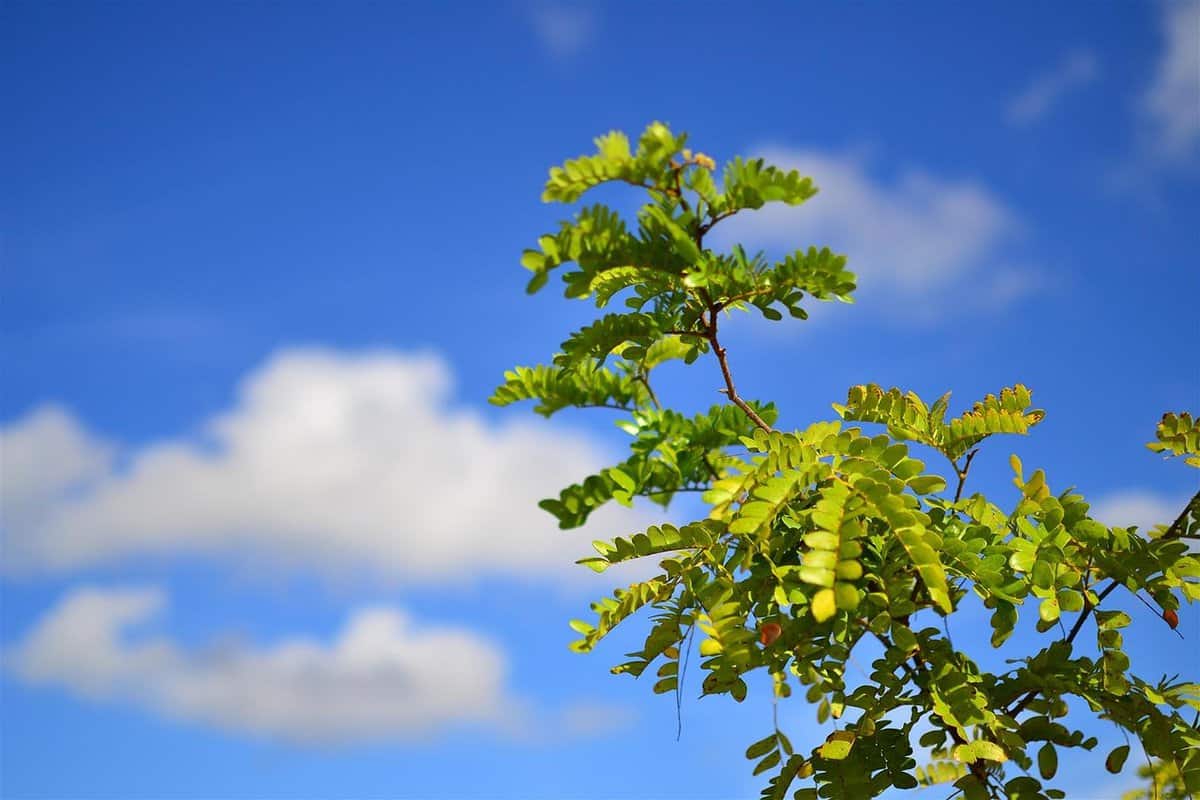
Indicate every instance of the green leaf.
{"type": "Point", "coordinates": [624, 481]}
{"type": "Point", "coordinates": [927, 484]}
{"type": "Point", "coordinates": [1047, 759]}
{"type": "Point", "coordinates": [1049, 610]}
{"type": "Point", "coordinates": [824, 605]}
{"type": "Point", "coordinates": [770, 761]}
{"type": "Point", "coordinates": [980, 749]}
{"type": "Point", "coordinates": [1116, 759]}
{"type": "Point", "coordinates": [845, 596]}
{"type": "Point", "coordinates": [837, 747]}
{"type": "Point", "coordinates": [761, 747]}
{"type": "Point", "coordinates": [1070, 600]}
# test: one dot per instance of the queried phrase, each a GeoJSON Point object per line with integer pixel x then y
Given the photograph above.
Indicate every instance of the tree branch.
{"type": "Point", "coordinates": [708, 226]}
{"type": "Point", "coordinates": [729, 390]}
{"type": "Point", "coordinates": [962, 473]}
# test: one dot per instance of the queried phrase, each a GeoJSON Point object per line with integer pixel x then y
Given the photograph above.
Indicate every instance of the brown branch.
{"type": "Point", "coordinates": [962, 473]}
{"type": "Point", "coordinates": [678, 170]}
{"type": "Point", "coordinates": [730, 391]}
{"type": "Point", "coordinates": [708, 226]}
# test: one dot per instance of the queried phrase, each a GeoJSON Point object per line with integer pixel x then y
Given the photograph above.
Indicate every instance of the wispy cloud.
{"type": "Point", "coordinates": [329, 463]}
{"type": "Point", "coordinates": [564, 29]}
{"type": "Point", "coordinates": [588, 718]}
{"type": "Point", "coordinates": [1138, 507]}
{"type": "Point", "coordinates": [1171, 103]}
{"type": "Point", "coordinates": [1077, 69]}
{"type": "Point", "coordinates": [917, 235]}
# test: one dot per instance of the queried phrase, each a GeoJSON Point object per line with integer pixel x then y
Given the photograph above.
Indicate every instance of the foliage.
{"type": "Point", "coordinates": [837, 538]}
{"type": "Point", "coordinates": [1165, 783]}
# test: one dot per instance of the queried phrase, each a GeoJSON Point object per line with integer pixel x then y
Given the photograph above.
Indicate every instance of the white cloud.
{"type": "Point", "coordinates": [1172, 101]}
{"type": "Point", "coordinates": [1077, 69]}
{"type": "Point", "coordinates": [564, 29]}
{"type": "Point", "coordinates": [381, 676]}
{"type": "Point", "coordinates": [917, 235]}
{"type": "Point", "coordinates": [331, 463]}
{"type": "Point", "coordinates": [1136, 507]}
{"type": "Point", "coordinates": [46, 457]}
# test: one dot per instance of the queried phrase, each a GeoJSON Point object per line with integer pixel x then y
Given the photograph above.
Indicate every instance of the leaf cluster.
{"type": "Point", "coordinates": [820, 540]}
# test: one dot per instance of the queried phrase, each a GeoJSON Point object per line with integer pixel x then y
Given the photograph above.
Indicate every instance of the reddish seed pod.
{"type": "Point", "coordinates": [1171, 618]}
{"type": "Point", "coordinates": [769, 633]}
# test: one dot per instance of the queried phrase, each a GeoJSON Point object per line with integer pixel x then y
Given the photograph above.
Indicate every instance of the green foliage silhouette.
{"type": "Point", "coordinates": [822, 540]}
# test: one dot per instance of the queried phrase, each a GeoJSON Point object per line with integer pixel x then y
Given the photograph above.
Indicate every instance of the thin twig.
{"type": "Point", "coordinates": [1176, 528]}
{"type": "Point", "coordinates": [962, 473]}
{"type": "Point", "coordinates": [730, 391]}
{"type": "Point", "coordinates": [708, 226]}
{"type": "Point", "coordinates": [1157, 612]}
{"type": "Point", "coordinates": [687, 652]}
{"type": "Point", "coordinates": [644, 379]}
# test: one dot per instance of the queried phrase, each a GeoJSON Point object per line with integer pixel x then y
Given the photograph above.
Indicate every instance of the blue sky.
{"type": "Point", "coordinates": [263, 536]}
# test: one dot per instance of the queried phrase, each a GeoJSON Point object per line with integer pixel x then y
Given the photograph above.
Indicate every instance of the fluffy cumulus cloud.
{"type": "Point", "coordinates": [382, 676]}
{"type": "Point", "coordinates": [917, 235]}
{"type": "Point", "coordinates": [327, 462]}
{"type": "Point", "coordinates": [1137, 507]}
{"type": "Point", "coordinates": [1172, 101]}
{"type": "Point", "coordinates": [1078, 69]}
{"type": "Point", "coordinates": [44, 457]}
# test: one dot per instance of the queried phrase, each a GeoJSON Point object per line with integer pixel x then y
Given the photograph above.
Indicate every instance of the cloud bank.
{"type": "Point", "coordinates": [327, 462]}
{"type": "Point", "coordinates": [381, 676]}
